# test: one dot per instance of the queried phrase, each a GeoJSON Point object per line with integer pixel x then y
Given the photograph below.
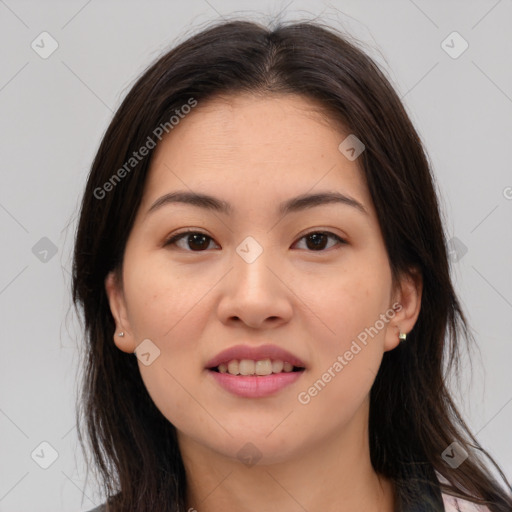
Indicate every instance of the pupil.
{"type": "Point", "coordinates": [315, 236]}
{"type": "Point", "coordinates": [196, 236]}
{"type": "Point", "coordinates": [317, 239]}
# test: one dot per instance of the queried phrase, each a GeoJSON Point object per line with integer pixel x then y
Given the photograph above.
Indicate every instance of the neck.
{"type": "Point", "coordinates": [335, 475]}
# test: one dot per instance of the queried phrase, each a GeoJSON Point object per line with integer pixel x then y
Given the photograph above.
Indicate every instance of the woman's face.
{"type": "Point", "coordinates": [258, 273]}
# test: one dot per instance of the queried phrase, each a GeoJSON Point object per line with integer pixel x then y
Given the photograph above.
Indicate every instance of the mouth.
{"type": "Point", "coordinates": [257, 360]}
{"type": "Point", "coordinates": [251, 371]}
{"type": "Point", "coordinates": [259, 368]}
{"type": "Point", "coordinates": [246, 378]}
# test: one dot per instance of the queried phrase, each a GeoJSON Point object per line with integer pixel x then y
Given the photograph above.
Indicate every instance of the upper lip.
{"type": "Point", "coordinates": [255, 353]}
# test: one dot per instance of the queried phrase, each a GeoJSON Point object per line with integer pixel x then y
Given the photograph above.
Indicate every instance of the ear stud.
{"type": "Point", "coordinates": [402, 336]}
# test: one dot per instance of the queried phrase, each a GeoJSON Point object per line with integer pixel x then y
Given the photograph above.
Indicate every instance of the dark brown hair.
{"type": "Point", "coordinates": [413, 418]}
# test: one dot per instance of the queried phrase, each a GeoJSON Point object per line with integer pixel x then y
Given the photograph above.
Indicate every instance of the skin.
{"type": "Point", "coordinates": [254, 152]}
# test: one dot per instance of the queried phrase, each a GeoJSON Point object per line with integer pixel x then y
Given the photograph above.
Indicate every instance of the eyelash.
{"type": "Point", "coordinates": [175, 238]}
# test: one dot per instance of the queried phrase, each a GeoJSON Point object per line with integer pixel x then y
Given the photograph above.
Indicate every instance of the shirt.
{"type": "Point", "coordinates": [451, 504]}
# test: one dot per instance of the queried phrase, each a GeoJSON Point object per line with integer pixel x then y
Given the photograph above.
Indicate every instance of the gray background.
{"type": "Point", "coordinates": [55, 110]}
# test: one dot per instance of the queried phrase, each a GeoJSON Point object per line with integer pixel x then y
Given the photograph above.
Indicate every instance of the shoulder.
{"type": "Point", "coordinates": [453, 504]}
{"type": "Point", "coordinates": [101, 508]}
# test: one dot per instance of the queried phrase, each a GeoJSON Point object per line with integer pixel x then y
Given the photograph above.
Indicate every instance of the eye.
{"type": "Point", "coordinates": [195, 239]}
{"type": "Point", "coordinates": [318, 239]}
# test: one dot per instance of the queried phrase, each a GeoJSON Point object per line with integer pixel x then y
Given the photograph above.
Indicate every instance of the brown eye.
{"type": "Point", "coordinates": [194, 240]}
{"type": "Point", "coordinates": [316, 240]}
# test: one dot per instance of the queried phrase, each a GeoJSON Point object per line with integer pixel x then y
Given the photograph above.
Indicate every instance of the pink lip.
{"type": "Point", "coordinates": [255, 386]}
{"type": "Point", "coordinates": [255, 354]}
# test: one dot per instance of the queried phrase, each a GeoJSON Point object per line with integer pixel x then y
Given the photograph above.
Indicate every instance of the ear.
{"type": "Point", "coordinates": [406, 302]}
{"type": "Point", "coordinates": [115, 294]}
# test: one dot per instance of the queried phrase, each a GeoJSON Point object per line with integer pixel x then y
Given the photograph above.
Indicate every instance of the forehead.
{"type": "Point", "coordinates": [248, 121]}
{"type": "Point", "coordinates": [248, 146]}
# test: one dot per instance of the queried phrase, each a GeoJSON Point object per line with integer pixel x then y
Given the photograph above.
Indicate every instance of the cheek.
{"type": "Point", "coordinates": [165, 303]}
{"type": "Point", "coordinates": [331, 307]}
{"type": "Point", "coordinates": [349, 345]}
{"type": "Point", "coordinates": [170, 309]}
{"type": "Point", "coordinates": [345, 302]}
{"type": "Point", "coordinates": [346, 362]}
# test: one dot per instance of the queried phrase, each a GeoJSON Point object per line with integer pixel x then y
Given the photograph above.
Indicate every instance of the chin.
{"type": "Point", "coordinates": [251, 447]}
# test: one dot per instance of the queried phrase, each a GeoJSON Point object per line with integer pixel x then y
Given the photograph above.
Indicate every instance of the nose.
{"type": "Point", "coordinates": [255, 293]}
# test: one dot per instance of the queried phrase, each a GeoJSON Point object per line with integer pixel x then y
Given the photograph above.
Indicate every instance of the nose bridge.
{"type": "Point", "coordinates": [251, 264]}
{"type": "Point", "coordinates": [253, 292]}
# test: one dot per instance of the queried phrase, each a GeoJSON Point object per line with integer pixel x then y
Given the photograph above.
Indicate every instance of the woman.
{"type": "Point", "coordinates": [265, 288]}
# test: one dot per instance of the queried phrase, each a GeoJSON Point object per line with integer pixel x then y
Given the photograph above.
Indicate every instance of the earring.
{"type": "Point", "coordinates": [121, 334]}
{"type": "Point", "coordinates": [402, 336]}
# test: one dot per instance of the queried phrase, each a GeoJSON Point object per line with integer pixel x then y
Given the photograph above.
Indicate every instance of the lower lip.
{"type": "Point", "coordinates": [253, 386]}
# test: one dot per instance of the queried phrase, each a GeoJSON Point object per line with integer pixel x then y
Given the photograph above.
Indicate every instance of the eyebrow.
{"type": "Point", "coordinates": [295, 204]}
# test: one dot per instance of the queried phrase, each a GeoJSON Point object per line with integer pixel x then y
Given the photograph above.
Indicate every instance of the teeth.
{"type": "Point", "coordinates": [263, 367]}
{"type": "Point", "coordinates": [277, 366]}
{"type": "Point", "coordinates": [246, 367]}
{"type": "Point", "coordinates": [233, 367]}
{"type": "Point", "coordinates": [249, 367]}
